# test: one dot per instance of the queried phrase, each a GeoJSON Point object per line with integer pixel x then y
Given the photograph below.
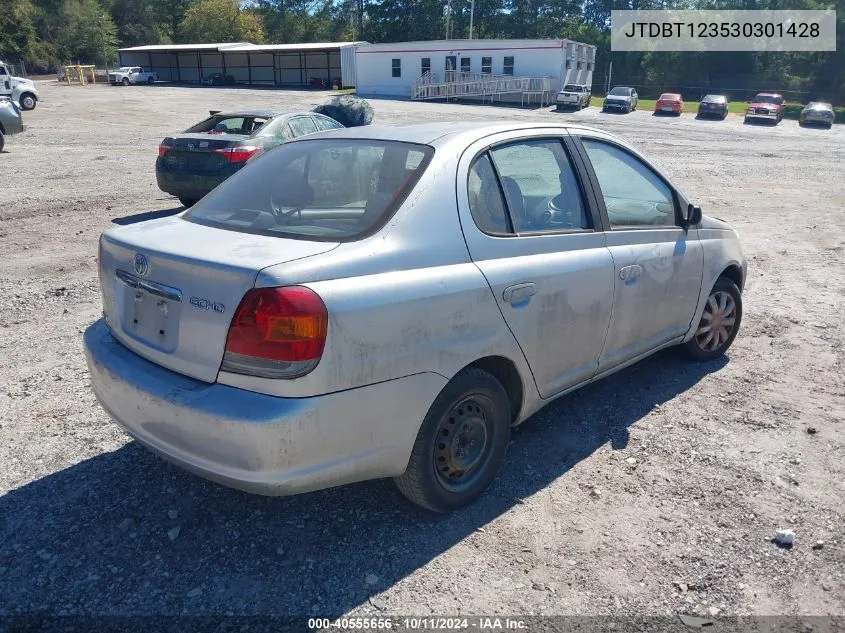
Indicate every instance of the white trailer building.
{"type": "Point", "coordinates": [395, 70]}
{"type": "Point", "coordinates": [283, 65]}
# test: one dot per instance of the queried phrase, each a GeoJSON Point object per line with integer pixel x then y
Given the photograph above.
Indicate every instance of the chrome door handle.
{"type": "Point", "coordinates": [519, 292]}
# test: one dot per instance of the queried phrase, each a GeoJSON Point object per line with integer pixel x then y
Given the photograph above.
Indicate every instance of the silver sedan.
{"type": "Point", "coordinates": [391, 301]}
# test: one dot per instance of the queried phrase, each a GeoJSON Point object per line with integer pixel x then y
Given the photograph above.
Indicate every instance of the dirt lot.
{"type": "Point", "coordinates": [655, 492]}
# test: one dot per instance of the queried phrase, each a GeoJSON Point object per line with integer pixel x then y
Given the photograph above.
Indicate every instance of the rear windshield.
{"type": "Point", "coordinates": [320, 189]}
{"type": "Point", "coordinates": [572, 88]}
{"type": "Point", "coordinates": [228, 124]}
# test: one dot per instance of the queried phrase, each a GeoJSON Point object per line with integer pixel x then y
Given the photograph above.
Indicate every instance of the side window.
{"type": "Point", "coordinates": [275, 129]}
{"type": "Point", "coordinates": [485, 198]}
{"type": "Point", "coordinates": [2, 70]}
{"type": "Point", "coordinates": [633, 194]}
{"type": "Point", "coordinates": [466, 64]}
{"type": "Point", "coordinates": [302, 125]}
{"type": "Point", "coordinates": [425, 65]}
{"type": "Point", "coordinates": [325, 123]}
{"type": "Point", "coordinates": [540, 186]}
{"type": "Point", "coordinates": [508, 66]}
{"type": "Point", "coordinates": [487, 65]}
{"type": "Point", "coordinates": [396, 67]}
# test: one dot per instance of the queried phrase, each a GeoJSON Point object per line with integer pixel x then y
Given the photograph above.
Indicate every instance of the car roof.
{"type": "Point", "coordinates": [261, 113]}
{"type": "Point", "coordinates": [441, 133]}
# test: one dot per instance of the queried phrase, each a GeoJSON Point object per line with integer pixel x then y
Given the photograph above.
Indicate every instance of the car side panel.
{"type": "Point", "coordinates": [721, 249]}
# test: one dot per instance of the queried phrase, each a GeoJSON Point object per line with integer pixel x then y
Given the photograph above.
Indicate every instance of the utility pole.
{"type": "Point", "coordinates": [359, 5]}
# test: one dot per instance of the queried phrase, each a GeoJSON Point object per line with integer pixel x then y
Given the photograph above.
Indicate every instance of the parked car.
{"type": "Point", "coordinates": [817, 112]}
{"type": "Point", "coordinates": [766, 105]}
{"type": "Point", "coordinates": [573, 96]}
{"type": "Point", "coordinates": [620, 98]}
{"type": "Point", "coordinates": [388, 301]}
{"type": "Point", "coordinates": [133, 75]}
{"type": "Point", "coordinates": [669, 102]}
{"type": "Point", "coordinates": [11, 121]}
{"type": "Point", "coordinates": [192, 163]}
{"type": "Point", "coordinates": [713, 105]}
{"type": "Point", "coordinates": [21, 90]}
{"type": "Point", "coordinates": [219, 79]}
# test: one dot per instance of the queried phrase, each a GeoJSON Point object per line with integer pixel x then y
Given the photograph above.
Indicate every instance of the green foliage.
{"type": "Point", "coordinates": [208, 21]}
{"type": "Point", "coordinates": [17, 33]}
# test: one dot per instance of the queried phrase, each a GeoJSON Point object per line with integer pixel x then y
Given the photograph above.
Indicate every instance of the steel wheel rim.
{"type": "Point", "coordinates": [28, 103]}
{"type": "Point", "coordinates": [717, 322]}
{"type": "Point", "coordinates": [463, 443]}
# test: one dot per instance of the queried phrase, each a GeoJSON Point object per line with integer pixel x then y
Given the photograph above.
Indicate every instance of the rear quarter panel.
{"type": "Point", "coordinates": [404, 301]}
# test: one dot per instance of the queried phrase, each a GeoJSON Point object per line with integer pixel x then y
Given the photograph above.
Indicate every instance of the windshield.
{"type": "Point", "coordinates": [619, 92]}
{"type": "Point", "coordinates": [714, 98]}
{"type": "Point", "coordinates": [818, 105]}
{"type": "Point", "coordinates": [320, 189]}
{"type": "Point", "coordinates": [768, 99]}
{"type": "Point", "coordinates": [572, 88]}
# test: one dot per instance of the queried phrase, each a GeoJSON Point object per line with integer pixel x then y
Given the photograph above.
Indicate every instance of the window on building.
{"type": "Point", "coordinates": [589, 65]}
{"type": "Point", "coordinates": [397, 67]}
{"type": "Point", "coordinates": [568, 64]}
{"type": "Point", "coordinates": [508, 66]}
{"type": "Point", "coordinates": [579, 65]}
{"type": "Point", "coordinates": [487, 65]}
{"type": "Point", "coordinates": [466, 64]}
{"type": "Point", "coordinates": [425, 65]}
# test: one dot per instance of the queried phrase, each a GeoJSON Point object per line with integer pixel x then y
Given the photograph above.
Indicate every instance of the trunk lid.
{"type": "Point", "coordinates": [170, 287]}
{"type": "Point", "coordinates": [195, 153]}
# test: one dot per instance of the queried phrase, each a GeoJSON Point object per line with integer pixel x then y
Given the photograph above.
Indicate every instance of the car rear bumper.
{"type": "Point", "coordinates": [255, 442]}
{"type": "Point", "coordinates": [187, 185]}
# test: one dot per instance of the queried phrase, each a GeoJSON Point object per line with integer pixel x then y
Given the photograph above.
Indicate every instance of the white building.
{"type": "Point", "coordinates": [392, 70]}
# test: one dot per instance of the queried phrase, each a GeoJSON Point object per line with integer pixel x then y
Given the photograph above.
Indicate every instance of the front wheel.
{"type": "Point", "coordinates": [27, 101]}
{"type": "Point", "coordinates": [2, 141]}
{"type": "Point", "coordinates": [719, 322]}
{"type": "Point", "coordinates": [151, 81]}
{"type": "Point", "coordinates": [126, 81]}
{"type": "Point", "coordinates": [460, 445]}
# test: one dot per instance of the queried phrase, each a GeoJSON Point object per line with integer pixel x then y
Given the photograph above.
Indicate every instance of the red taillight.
{"type": "Point", "coordinates": [166, 146]}
{"type": "Point", "coordinates": [277, 333]}
{"type": "Point", "coordinates": [239, 154]}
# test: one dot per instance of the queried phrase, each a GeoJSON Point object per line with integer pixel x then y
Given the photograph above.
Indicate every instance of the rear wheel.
{"type": "Point", "coordinates": [460, 445]}
{"type": "Point", "coordinates": [188, 202]}
{"type": "Point", "coordinates": [27, 101]}
{"type": "Point", "coordinates": [2, 141]}
{"type": "Point", "coordinates": [719, 322]}
{"type": "Point", "coordinates": [151, 81]}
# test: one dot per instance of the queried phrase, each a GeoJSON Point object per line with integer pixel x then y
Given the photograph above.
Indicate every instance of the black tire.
{"type": "Point", "coordinates": [125, 81]}
{"type": "Point", "coordinates": [699, 346]}
{"type": "Point", "coordinates": [187, 202]}
{"type": "Point", "coordinates": [2, 141]}
{"type": "Point", "coordinates": [559, 108]}
{"type": "Point", "coordinates": [477, 403]}
{"type": "Point", "coordinates": [150, 81]}
{"type": "Point", "coordinates": [28, 101]}
{"type": "Point", "coordinates": [830, 126]}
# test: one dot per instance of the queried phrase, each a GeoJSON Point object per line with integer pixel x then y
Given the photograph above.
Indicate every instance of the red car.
{"type": "Point", "coordinates": [766, 105]}
{"type": "Point", "coordinates": [669, 102]}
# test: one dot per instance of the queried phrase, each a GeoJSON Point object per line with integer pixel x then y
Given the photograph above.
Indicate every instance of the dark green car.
{"type": "Point", "coordinates": [192, 163]}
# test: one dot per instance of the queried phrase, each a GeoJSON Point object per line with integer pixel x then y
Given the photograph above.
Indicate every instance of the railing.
{"type": "Point", "coordinates": [458, 85]}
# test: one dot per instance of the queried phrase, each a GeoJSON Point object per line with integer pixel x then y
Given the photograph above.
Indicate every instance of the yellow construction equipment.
{"type": "Point", "coordinates": [80, 72]}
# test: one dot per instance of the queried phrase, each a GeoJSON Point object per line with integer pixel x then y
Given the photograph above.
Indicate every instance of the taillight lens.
{"type": "Point", "coordinates": [277, 333]}
{"type": "Point", "coordinates": [165, 146]}
{"type": "Point", "coordinates": [239, 154]}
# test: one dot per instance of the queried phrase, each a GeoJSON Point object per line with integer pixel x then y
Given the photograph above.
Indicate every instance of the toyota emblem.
{"type": "Point", "coordinates": [141, 265]}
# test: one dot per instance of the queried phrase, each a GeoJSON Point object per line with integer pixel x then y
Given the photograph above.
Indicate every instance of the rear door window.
{"type": "Point", "coordinates": [302, 125]}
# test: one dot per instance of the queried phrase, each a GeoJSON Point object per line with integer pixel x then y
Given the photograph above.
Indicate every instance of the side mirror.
{"type": "Point", "coordinates": [693, 215]}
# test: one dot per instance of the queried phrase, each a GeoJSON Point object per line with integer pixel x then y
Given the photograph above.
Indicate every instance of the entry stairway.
{"type": "Point", "coordinates": [456, 85]}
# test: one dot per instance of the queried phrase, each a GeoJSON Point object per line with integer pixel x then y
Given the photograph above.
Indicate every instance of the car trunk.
{"type": "Point", "coordinates": [200, 153]}
{"type": "Point", "coordinates": [170, 287]}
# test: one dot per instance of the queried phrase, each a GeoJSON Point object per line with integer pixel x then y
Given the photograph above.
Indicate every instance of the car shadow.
{"type": "Point", "coordinates": [760, 122]}
{"type": "Point", "coordinates": [147, 215]}
{"type": "Point", "coordinates": [125, 532]}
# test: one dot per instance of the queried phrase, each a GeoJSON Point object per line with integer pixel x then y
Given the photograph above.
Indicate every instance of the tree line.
{"type": "Point", "coordinates": [47, 33]}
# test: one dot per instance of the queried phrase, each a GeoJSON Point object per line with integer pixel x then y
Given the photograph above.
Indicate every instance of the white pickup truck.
{"type": "Point", "coordinates": [21, 91]}
{"type": "Point", "coordinates": [126, 75]}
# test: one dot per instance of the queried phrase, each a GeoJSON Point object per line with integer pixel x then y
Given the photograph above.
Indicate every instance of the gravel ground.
{"type": "Point", "coordinates": [656, 491]}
